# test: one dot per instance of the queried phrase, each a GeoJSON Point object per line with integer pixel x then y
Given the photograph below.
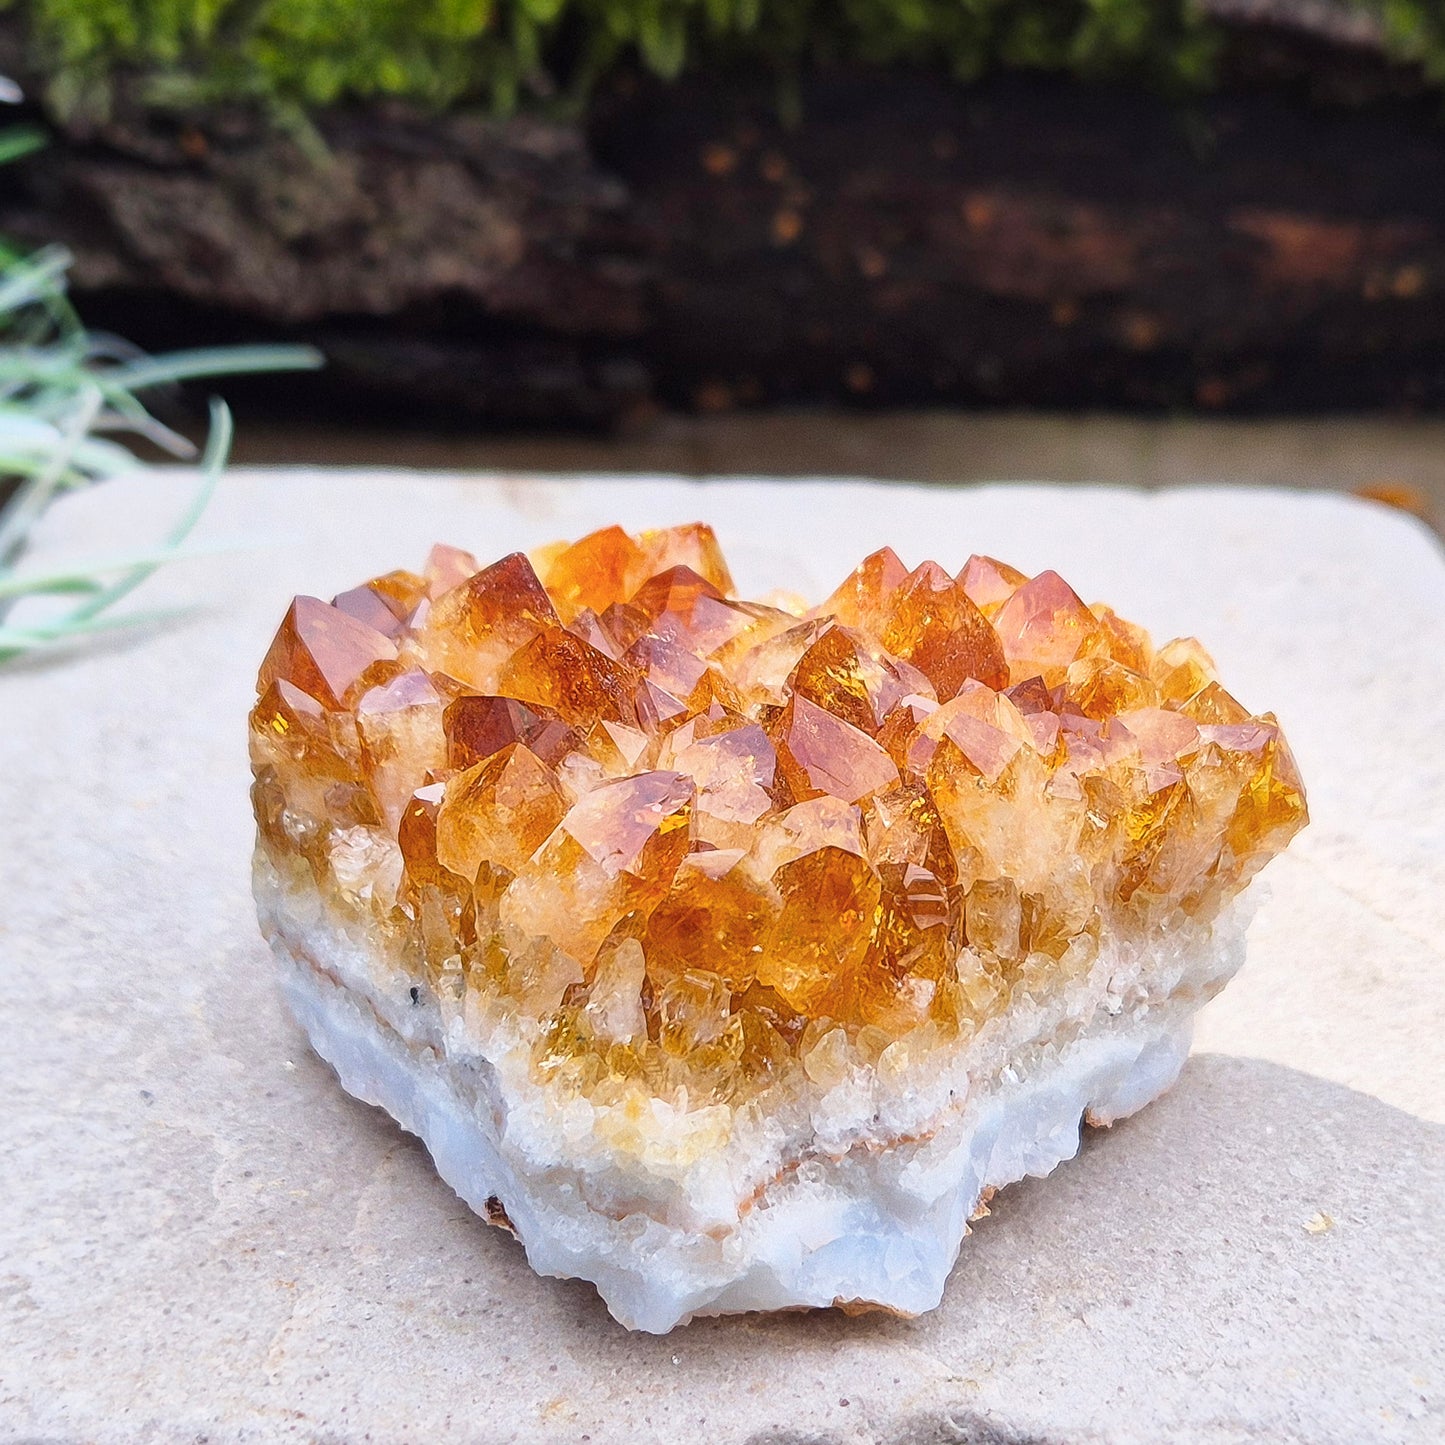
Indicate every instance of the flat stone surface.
{"type": "Point", "coordinates": [201, 1236]}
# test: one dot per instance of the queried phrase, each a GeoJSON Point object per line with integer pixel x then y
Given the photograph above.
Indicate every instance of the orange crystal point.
{"type": "Point", "coordinates": [1126, 643]}
{"type": "Point", "coordinates": [559, 671]}
{"type": "Point", "coordinates": [694, 546]}
{"type": "Point", "coordinates": [675, 590]}
{"type": "Point", "coordinates": [1100, 687]}
{"type": "Point", "coordinates": [400, 726]}
{"type": "Point", "coordinates": [614, 854]}
{"type": "Point", "coordinates": [1211, 704]}
{"type": "Point", "coordinates": [936, 627]}
{"type": "Point", "coordinates": [1181, 669]}
{"type": "Point", "coordinates": [498, 811]}
{"type": "Point", "coordinates": [838, 673]}
{"type": "Point", "coordinates": [292, 719]}
{"type": "Point", "coordinates": [903, 828]}
{"type": "Point", "coordinates": [820, 753]}
{"type": "Point", "coordinates": [447, 567]}
{"type": "Point", "coordinates": [616, 823]}
{"type": "Point", "coordinates": [1043, 627]}
{"type": "Point", "coordinates": [604, 568]}
{"type": "Point", "coordinates": [476, 727]}
{"type": "Point", "coordinates": [417, 839]}
{"type": "Point", "coordinates": [865, 597]}
{"type": "Point", "coordinates": [674, 670]}
{"type": "Point", "coordinates": [1271, 808]}
{"type": "Point", "coordinates": [715, 916]}
{"type": "Point", "coordinates": [702, 847]}
{"type": "Point", "coordinates": [989, 582]}
{"type": "Point", "coordinates": [820, 937]}
{"type": "Point", "coordinates": [322, 651]}
{"type": "Point", "coordinates": [474, 630]}
{"type": "Point", "coordinates": [971, 724]}
{"type": "Point", "coordinates": [733, 772]}
{"type": "Point", "coordinates": [385, 603]}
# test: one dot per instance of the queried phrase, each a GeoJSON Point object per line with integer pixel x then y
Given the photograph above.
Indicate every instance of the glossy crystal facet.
{"type": "Point", "coordinates": [682, 841]}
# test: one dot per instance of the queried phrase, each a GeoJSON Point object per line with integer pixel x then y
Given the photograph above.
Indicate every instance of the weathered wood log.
{"type": "Point", "coordinates": [1025, 240]}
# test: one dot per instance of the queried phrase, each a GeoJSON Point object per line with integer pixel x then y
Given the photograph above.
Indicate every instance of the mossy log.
{"type": "Point", "coordinates": [1279, 243]}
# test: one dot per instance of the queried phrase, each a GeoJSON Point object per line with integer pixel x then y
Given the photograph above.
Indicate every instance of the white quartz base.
{"type": "Point", "coordinates": [862, 1230]}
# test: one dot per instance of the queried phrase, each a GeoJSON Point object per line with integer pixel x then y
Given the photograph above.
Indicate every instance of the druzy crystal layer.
{"type": "Point", "coordinates": [688, 867]}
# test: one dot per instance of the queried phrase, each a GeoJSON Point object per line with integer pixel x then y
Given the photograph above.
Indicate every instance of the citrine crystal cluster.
{"type": "Point", "coordinates": [675, 902]}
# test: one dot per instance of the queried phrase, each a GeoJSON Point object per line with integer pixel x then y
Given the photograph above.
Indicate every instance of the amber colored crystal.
{"type": "Point", "coordinates": [816, 947]}
{"type": "Point", "coordinates": [294, 723]}
{"type": "Point", "coordinates": [557, 670]}
{"type": "Point", "coordinates": [385, 603]}
{"type": "Point", "coordinates": [989, 582]}
{"type": "Point", "coordinates": [1126, 643]}
{"type": "Point", "coordinates": [603, 568]}
{"type": "Point", "coordinates": [416, 835]}
{"type": "Point", "coordinates": [478, 726]}
{"type": "Point", "coordinates": [820, 753]}
{"type": "Point", "coordinates": [1100, 687]}
{"type": "Point", "coordinates": [693, 545]}
{"type": "Point", "coordinates": [475, 629]}
{"type": "Point", "coordinates": [705, 846]}
{"type": "Point", "coordinates": [498, 811]}
{"type": "Point", "coordinates": [865, 598]}
{"type": "Point", "coordinates": [715, 916]}
{"type": "Point", "coordinates": [1043, 627]}
{"type": "Point", "coordinates": [1211, 704]}
{"type": "Point", "coordinates": [940, 631]}
{"type": "Point", "coordinates": [400, 727]}
{"type": "Point", "coordinates": [617, 822]}
{"type": "Point", "coordinates": [322, 651]}
{"type": "Point", "coordinates": [840, 674]}
{"type": "Point", "coordinates": [614, 853]}
{"type": "Point", "coordinates": [733, 772]}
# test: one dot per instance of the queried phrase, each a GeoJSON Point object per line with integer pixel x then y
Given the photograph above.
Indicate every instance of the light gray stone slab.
{"type": "Point", "coordinates": [201, 1236]}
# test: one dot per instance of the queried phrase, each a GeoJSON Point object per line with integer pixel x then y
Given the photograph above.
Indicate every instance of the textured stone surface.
{"type": "Point", "coordinates": [202, 1234]}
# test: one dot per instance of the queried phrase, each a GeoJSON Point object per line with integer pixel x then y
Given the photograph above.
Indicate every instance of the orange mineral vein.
{"type": "Point", "coordinates": [699, 842]}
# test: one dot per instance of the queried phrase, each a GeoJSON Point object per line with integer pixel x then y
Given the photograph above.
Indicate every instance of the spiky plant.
{"type": "Point", "coordinates": [66, 398]}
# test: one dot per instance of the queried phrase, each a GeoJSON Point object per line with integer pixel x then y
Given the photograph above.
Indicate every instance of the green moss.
{"type": "Point", "coordinates": [313, 52]}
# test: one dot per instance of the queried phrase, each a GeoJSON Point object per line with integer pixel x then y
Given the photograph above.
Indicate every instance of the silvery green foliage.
{"type": "Point", "coordinates": [68, 398]}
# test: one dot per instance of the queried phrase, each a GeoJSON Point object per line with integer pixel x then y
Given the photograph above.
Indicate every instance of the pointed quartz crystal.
{"type": "Point", "coordinates": [840, 673]}
{"type": "Point", "coordinates": [816, 947]}
{"type": "Point", "coordinates": [322, 651]}
{"type": "Point", "coordinates": [865, 597]}
{"type": "Point", "coordinates": [500, 811]}
{"type": "Point", "coordinates": [474, 630]}
{"type": "Point", "coordinates": [712, 917]}
{"type": "Point", "coordinates": [1043, 627]}
{"type": "Point", "coordinates": [936, 627]}
{"type": "Point", "coordinates": [478, 726]}
{"type": "Point", "coordinates": [446, 568]}
{"type": "Point", "coordinates": [820, 753]}
{"type": "Point", "coordinates": [603, 568]}
{"type": "Point", "coordinates": [400, 727]}
{"type": "Point", "coordinates": [692, 545]}
{"type": "Point", "coordinates": [615, 853]}
{"type": "Point", "coordinates": [385, 603]}
{"type": "Point", "coordinates": [989, 582]}
{"type": "Point", "coordinates": [558, 671]}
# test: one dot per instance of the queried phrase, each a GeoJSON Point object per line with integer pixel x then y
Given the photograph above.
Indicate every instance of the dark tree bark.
{"type": "Point", "coordinates": [1027, 240]}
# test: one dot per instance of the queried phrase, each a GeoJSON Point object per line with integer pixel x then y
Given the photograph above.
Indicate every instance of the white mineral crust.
{"type": "Point", "coordinates": [859, 1194]}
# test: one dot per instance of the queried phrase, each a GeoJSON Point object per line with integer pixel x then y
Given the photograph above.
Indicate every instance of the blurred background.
{"type": "Point", "coordinates": [1150, 241]}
